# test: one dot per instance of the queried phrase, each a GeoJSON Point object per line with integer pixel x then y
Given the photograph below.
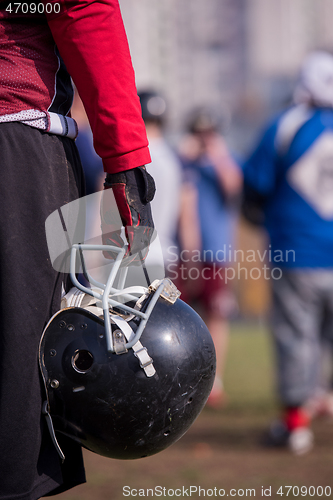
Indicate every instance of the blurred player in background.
{"type": "Point", "coordinates": [209, 207]}
{"type": "Point", "coordinates": [40, 172]}
{"type": "Point", "coordinates": [288, 187]}
{"type": "Point", "coordinates": [166, 169]}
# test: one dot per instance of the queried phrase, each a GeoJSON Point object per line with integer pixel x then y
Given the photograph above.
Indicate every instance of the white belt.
{"type": "Point", "coordinates": [63, 125]}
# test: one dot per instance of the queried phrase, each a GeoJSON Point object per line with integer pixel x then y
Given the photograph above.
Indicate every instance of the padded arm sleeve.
{"type": "Point", "coordinates": [91, 39]}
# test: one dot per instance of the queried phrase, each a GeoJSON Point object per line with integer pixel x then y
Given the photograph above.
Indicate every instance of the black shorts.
{"type": "Point", "coordinates": [39, 172]}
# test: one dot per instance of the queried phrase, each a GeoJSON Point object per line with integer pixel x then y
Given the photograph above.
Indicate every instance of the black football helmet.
{"type": "Point", "coordinates": [127, 369]}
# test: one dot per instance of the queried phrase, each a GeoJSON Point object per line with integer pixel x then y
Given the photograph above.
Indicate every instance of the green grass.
{"type": "Point", "coordinates": [249, 373]}
{"type": "Point", "coordinates": [222, 447]}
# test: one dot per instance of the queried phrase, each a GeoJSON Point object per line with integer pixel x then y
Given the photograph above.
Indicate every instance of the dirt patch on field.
{"type": "Point", "coordinates": [222, 452]}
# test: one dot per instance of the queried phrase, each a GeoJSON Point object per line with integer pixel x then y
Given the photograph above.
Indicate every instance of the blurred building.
{"type": "Point", "coordinates": [191, 50]}
{"type": "Point", "coordinates": [279, 33]}
{"type": "Point", "coordinates": [239, 56]}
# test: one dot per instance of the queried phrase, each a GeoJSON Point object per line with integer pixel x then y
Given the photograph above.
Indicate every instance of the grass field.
{"type": "Point", "coordinates": [221, 453]}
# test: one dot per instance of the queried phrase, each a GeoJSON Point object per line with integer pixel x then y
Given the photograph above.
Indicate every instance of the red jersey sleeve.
{"type": "Point", "coordinates": [91, 39]}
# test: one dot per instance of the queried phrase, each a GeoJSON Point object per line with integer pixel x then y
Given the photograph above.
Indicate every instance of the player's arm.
{"type": "Point", "coordinates": [91, 39]}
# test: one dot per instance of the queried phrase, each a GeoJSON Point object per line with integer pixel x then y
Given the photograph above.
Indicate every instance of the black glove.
{"type": "Point", "coordinates": [133, 191]}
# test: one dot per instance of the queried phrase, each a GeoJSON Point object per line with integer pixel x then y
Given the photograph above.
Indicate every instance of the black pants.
{"type": "Point", "coordinates": [39, 172]}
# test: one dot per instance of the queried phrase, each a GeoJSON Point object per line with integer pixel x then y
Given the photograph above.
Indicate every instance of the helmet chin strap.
{"type": "Point", "coordinates": [140, 352]}
{"type": "Point", "coordinates": [107, 296]}
{"type": "Point", "coordinates": [46, 413]}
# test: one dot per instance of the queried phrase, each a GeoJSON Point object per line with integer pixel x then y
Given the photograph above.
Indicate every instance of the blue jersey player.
{"type": "Point", "coordinates": [288, 187]}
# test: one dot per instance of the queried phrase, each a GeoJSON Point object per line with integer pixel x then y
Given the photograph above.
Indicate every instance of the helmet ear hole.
{"type": "Point", "coordinates": [82, 361]}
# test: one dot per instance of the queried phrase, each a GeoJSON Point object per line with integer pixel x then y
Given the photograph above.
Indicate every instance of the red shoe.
{"type": "Point", "coordinates": [295, 417]}
{"type": "Point", "coordinates": [301, 438]}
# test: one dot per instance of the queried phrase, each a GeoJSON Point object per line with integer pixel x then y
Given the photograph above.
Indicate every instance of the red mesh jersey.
{"type": "Point", "coordinates": [92, 43]}
{"type": "Point", "coordinates": [31, 74]}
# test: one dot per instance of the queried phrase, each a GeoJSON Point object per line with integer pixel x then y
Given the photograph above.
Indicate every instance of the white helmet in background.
{"type": "Point", "coordinates": [316, 80]}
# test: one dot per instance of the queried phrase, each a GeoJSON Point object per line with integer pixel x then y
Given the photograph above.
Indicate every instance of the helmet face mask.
{"type": "Point", "coordinates": [127, 369]}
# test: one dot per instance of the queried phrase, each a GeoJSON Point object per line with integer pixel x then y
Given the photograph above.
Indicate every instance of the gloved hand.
{"type": "Point", "coordinates": [133, 191]}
